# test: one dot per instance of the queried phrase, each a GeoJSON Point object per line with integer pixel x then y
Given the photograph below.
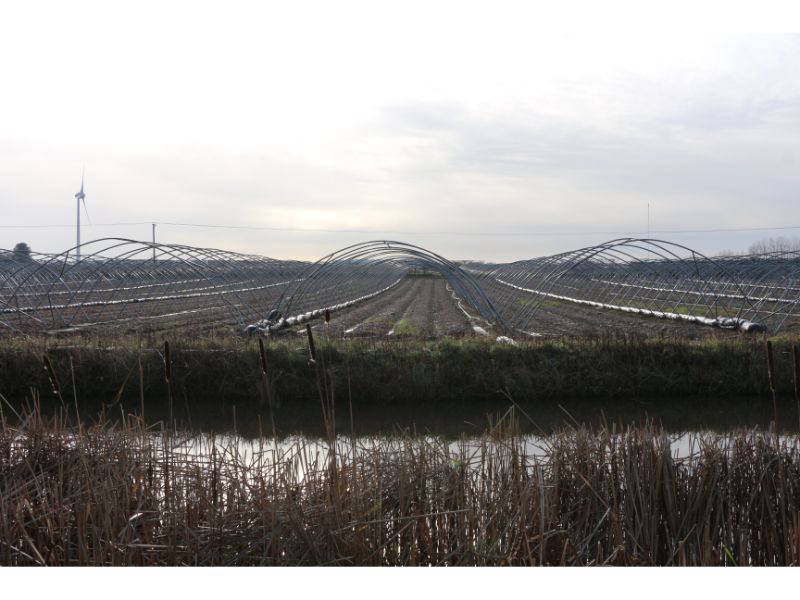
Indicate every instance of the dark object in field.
{"type": "Point", "coordinates": [273, 318]}
{"type": "Point", "coordinates": [738, 324]}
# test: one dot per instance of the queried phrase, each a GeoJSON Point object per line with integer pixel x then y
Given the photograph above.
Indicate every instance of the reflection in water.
{"type": "Point", "coordinates": [452, 421]}
{"type": "Point", "coordinates": [303, 454]}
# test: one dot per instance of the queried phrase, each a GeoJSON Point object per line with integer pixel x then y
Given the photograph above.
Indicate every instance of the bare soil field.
{"type": "Point", "coordinates": [419, 307]}
{"type": "Point", "coordinates": [191, 307]}
{"type": "Point", "coordinates": [554, 317]}
{"type": "Point", "coordinates": [425, 308]}
{"type": "Point", "coordinates": [564, 318]}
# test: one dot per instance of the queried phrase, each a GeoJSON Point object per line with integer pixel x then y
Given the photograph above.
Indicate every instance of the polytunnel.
{"type": "Point", "coordinates": [363, 271]}
{"type": "Point", "coordinates": [653, 278]}
{"type": "Point", "coordinates": [141, 286]}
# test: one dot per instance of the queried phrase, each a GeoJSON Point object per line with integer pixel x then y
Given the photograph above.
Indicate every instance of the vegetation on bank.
{"type": "Point", "coordinates": [395, 371]}
{"type": "Point", "coordinates": [214, 379]}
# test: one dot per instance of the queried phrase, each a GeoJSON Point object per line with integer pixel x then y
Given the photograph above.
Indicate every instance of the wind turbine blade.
{"type": "Point", "coordinates": [85, 210]}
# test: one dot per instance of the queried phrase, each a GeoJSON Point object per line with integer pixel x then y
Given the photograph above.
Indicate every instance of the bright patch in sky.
{"type": "Point", "coordinates": [477, 131]}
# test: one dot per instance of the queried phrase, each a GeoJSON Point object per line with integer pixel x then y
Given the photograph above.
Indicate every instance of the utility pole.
{"type": "Point", "coordinates": [154, 242]}
{"type": "Point", "coordinates": [648, 218]}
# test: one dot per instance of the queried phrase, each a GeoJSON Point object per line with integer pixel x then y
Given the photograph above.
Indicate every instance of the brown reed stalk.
{"type": "Point", "coordinates": [796, 370]}
{"type": "Point", "coordinates": [51, 375]}
{"type": "Point", "coordinates": [312, 351]}
{"type": "Point", "coordinates": [167, 379]}
{"type": "Point", "coordinates": [328, 404]}
{"type": "Point", "coordinates": [141, 378]}
{"type": "Point", "coordinates": [322, 385]}
{"type": "Point", "coordinates": [264, 376]}
{"type": "Point", "coordinates": [266, 385]}
{"type": "Point", "coordinates": [74, 390]}
{"type": "Point", "coordinates": [771, 376]}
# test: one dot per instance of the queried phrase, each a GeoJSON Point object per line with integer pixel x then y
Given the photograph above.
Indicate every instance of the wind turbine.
{"type": "Point", "coordinates": [80, 197]}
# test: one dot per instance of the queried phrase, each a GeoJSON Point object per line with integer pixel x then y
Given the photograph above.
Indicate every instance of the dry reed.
{"type": "Point", "coordinates": [135, 496]}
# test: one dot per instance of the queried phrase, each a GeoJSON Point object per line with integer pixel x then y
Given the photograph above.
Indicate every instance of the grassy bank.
{"type": "Point", "coordinates": [131, 496]}
{"type": "Point", "coordinates": [398, 371]}
{"type": "Point", "coordinates": [210, 376]}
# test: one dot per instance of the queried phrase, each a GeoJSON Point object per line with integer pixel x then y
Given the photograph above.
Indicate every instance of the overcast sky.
{"type": "Point", "coordinates": [478, 133]}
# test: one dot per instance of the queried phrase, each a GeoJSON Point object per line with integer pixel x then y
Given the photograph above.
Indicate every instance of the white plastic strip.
{"type": "Point", "coordinates": [723, 322]}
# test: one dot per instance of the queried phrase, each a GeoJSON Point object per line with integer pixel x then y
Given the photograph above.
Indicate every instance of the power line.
{"type": "Point", "coordinates": [72, 226]}
{"type": "Point", "coordinates": [481, 233]}
{"type": "Point", "coordinates": [402, 232]}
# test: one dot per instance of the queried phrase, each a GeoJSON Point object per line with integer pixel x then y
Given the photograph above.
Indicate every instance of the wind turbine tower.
{"type": "Point", "coordinates": [79, 197]}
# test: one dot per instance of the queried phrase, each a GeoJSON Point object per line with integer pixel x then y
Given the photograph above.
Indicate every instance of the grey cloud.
{"type": "Point", "coordinates": [676, 157]}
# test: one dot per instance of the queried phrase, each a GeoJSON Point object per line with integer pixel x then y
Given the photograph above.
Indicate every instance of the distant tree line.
{"type": "Point", "coordinates": [767, 245]}
{"type": "Point", "coordinates": [775, 244]}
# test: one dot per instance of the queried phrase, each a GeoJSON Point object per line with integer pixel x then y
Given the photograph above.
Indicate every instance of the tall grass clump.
{"type": "Point", "coordinates": [131, 495]}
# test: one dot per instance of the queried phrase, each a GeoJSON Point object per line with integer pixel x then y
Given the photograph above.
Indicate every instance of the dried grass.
{"type": "Point", "coordinates": [128, 495]}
